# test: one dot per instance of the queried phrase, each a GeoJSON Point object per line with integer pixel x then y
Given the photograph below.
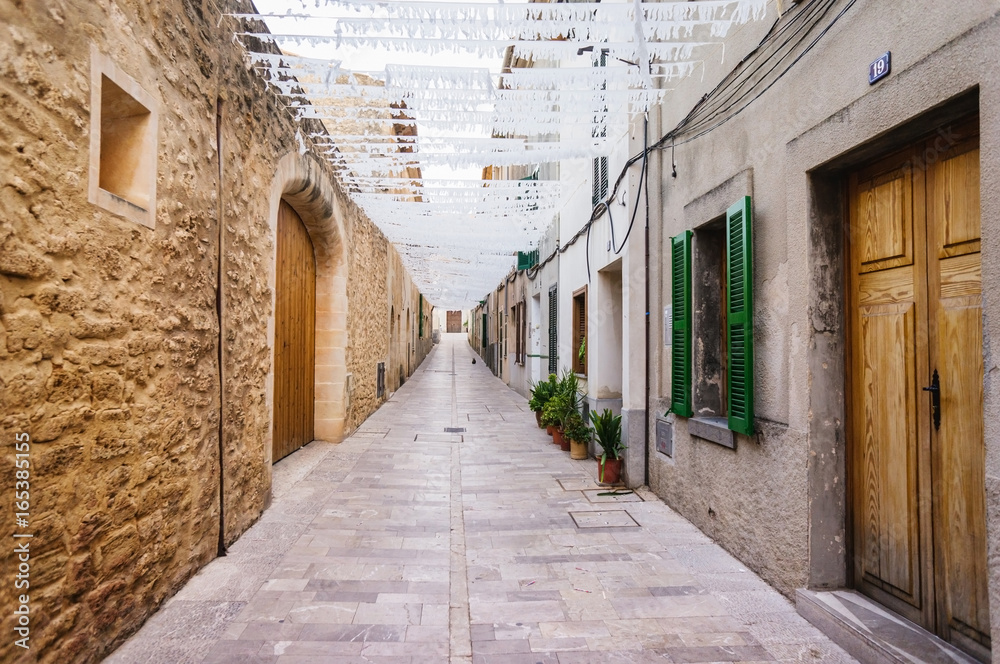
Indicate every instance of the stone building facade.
{"type": "Point", "coordinates": [143, 164]}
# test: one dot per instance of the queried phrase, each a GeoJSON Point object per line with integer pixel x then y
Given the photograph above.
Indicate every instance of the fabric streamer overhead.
{"type": "Point", "coordinates": [401, 132]}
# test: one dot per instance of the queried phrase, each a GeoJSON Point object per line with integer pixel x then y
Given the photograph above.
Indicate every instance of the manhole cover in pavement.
{"type": "Point", "coordinates": [454, 429]}
{"type": "Point", "coordinates": [604, 519]}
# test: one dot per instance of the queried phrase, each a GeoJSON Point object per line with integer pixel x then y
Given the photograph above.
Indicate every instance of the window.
{"type": "Point", "coordinates": [420, 325]}
{"type": "Point", "coordinates": [733, 363]}
{"type": "Point", "coordinates": [580, 331]}
{"type": "Point", "coordinates": [123, 129]}
{"type": "Point", "coordinates": [520, 333]}
{"type": "Point", "coordinates": [600, 182]}
{"type": "Point", "coordinates": [553, 332]}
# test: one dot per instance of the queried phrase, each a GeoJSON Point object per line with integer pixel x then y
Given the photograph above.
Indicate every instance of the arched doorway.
{"type": "Point", "coordinates": [294, 335]}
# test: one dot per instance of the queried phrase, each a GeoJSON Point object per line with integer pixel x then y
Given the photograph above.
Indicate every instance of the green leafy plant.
{"type": "Point", "coordinates": [576, 429]}
{"type": "Point", "coordinates": [542, 391]}
{"type": "Point", "coordinates": [569, 387]}
{"type": "Point", "coordinates": [554, 409]}
{"type": "Point", "coordinates": [608, 433]}
{"type": "Point", "coordinates": [582, 353]}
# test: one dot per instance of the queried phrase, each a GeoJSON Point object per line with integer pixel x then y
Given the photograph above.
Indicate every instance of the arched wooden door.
{"type": "Point", "coordinates": [294, 335]}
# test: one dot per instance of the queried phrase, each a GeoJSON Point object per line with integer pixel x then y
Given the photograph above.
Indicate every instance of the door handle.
{"type": "Point", "coordinates": [935, 389]}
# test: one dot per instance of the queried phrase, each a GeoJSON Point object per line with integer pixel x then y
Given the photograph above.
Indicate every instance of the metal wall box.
{"type": "Point", "coordinates": [665, 437]}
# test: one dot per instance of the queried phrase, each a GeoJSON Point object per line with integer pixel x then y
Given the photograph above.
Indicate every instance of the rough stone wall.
{"type": "Point", "coordinates": [367, 276]}
{"type": "Point", "coordinates": [109, 330]}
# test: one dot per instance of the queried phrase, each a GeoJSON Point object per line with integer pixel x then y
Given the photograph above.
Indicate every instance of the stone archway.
{"type": "Point", "coordinates": [302, 183]}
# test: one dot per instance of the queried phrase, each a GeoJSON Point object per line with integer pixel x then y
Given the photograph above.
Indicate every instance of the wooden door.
{"type": "Point", "coordinates": [294, 335]}
{"type": "Point", "coordinates": [918, 489]}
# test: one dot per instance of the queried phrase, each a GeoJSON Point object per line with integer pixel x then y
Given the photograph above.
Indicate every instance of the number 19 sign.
{"type": "Point", "coordinates": [880, 68]}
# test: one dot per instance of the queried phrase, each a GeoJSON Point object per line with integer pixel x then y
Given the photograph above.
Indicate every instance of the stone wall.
{"type": "Point", "coordinates": [109, 330]}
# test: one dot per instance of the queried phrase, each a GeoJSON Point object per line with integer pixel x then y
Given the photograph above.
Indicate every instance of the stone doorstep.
{"type": "Point", "coordinates": [871, 633]}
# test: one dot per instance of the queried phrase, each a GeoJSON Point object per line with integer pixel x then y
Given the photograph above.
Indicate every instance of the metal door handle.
{"type": "Point", "coordinates": [935, 389]}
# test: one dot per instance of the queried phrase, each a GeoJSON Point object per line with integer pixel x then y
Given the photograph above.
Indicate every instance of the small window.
{"type": "Point", "coordinates": [580, 331]}
{"type": "Point", "coordinates": [123, 143]}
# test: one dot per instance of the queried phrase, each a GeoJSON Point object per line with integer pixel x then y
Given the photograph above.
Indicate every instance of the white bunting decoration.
{"type": "Point", "coordinates": [410, 93]}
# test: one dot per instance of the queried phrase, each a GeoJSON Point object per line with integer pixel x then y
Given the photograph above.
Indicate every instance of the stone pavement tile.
{"type": "Point", "coordinates": [558, 644]}
{"type": "Point", "coordinates": [427, 633]}
{"type": "Point", "coordinates": [434, 614]}
{"type": "Point", "coordinates": [235, 652]}
{"type": "Point", "coordinates": [517, 658]}
{"type": "Point", "coordinates": [388, 614]}
{"type": "Point", "coordinates": [578, 629]}
{"type": "Point", "coordinates": [625, 656]}
{"type": "Point", "coordinates": [506, 646]}
{"type": "Point", "coordinates": [323, 612]}
{"type": "Point", "coordinates": [719, 654]}
{"type": "Point", "coordinates": [668, 607]}
{"type": "Point", "coordinates": [357, 632]}
{"type": "Point", "coordinates": [270, 631]}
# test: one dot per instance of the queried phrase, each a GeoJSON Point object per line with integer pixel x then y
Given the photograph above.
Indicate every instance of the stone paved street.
{"type": "Point", "coordinates": [410, 544]}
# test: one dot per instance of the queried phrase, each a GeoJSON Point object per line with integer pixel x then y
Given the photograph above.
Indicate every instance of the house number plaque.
{"type": "Point", "coordinates": [880, 68]}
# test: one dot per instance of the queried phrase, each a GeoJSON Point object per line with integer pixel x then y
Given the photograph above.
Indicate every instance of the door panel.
{"type": "Point", "coordinates": [956, 338]}
{"type": "Point", "coordinates": [889, 485]}
{"type": "Point", "coordinates": [294, 332]}
{"type": "Point", "coordinates": [889, 454]}
{"type": "Point", "coordinates": [915, 308]}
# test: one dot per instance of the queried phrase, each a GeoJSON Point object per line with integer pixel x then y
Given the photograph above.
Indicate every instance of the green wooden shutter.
{"type": "Point", "coordinates": [421, 332]}
{"type": "Point", "coordinates": [739, 316]}
{"type": "Point", "coordinates": [680, 295]}
{"type": "Point", "coordinates": [486, 339]}
{"type": "Point", "coordinates": [553, 332]}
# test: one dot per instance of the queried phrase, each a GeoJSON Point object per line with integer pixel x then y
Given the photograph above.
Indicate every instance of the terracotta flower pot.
{"type": "Point", "coordinates": [550, 429]}
{"type": "Point", "coordinates": [557, 436]}
{"type": "Point", "coordinates": [538, 418]}
{"type": "Point", "coordinates": [578, 450]}
{"type": "Point", "coordinates": [563, 441]}
{"type": "Point", "coordinates": [609, 471]}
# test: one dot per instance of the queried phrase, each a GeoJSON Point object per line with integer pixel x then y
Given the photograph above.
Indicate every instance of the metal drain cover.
{"type": "Point", "coordinates": [604, 519]}
{"type": "Point", "coordinates": [454, 429]}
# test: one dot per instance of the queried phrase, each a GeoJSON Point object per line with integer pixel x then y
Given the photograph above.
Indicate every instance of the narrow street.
{"type": "Point", "coordinates": [450, 528]}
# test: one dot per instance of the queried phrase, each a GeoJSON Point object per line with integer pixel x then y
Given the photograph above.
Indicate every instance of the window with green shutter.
{"type": "Point", "coordinates": [680, 297]}
{"type": "Point", "coordinates": [553, 332]}
{"type": "Point", "coordinates": [739, 317]}
{"type": "Point", "coordinates": [421, 318]}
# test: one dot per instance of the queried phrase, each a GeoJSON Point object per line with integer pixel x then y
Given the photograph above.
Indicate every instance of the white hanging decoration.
{"type": "Point", "coordinates": [401, 95]}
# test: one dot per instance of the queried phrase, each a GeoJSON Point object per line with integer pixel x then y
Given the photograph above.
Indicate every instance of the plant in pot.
{"type": "Point", "coordinates": [541, 392]}
{"type": "Point", "coordinates": [578, 433]}
{"type": "Point", "coordinates": [608, 433]}
{"type": "Point", "coordinates": [568, 405]}
{"type": "Point", "coordinates": [552, 414]}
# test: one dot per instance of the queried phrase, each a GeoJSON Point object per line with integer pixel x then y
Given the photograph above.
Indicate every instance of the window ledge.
{"type": "Point", "coordinates": [713, 429]}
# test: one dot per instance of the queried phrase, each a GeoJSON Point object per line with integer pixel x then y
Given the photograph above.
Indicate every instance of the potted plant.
{"type": "Point", "coordinates": [541, 392]}
{"type": "Point", "coordinates": [608, 432]}
{"type": "Point", "coordinates": [568, 404]}
{"type": "Point", "coordinates": [578, 433]}
{"type": "Point", "coordinates": [552, 414]}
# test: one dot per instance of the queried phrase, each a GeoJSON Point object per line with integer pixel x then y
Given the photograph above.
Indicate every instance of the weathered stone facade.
{"type": "Point", "coordinates": [110, 330]}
